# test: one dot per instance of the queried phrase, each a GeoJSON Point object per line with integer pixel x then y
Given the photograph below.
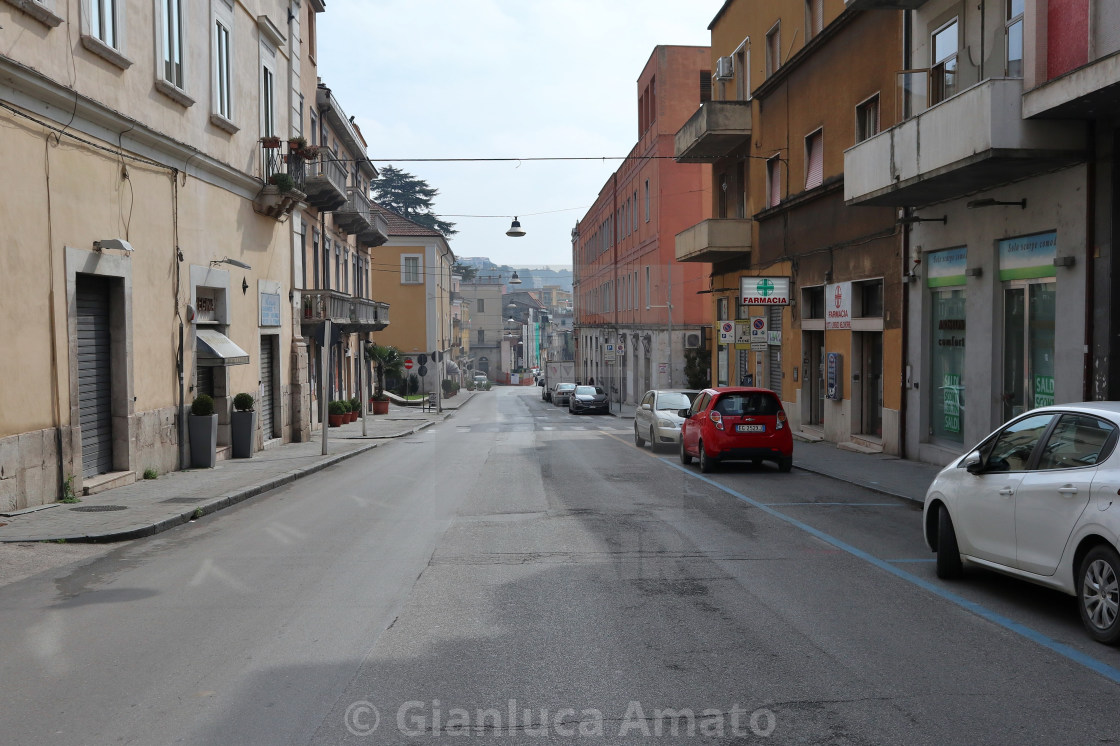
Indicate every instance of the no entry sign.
{"type": "Point", "coordinates": [408, 363]}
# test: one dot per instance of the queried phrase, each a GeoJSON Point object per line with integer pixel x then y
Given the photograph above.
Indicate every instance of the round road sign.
{"type": "Point", "coordinates": [408, 363]}
{"type": "Point", "coordinates": [423, 370]}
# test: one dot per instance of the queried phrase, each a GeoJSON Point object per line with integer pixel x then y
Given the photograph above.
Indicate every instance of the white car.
{"type": "Point", "coordinates": [1038, 500]}
{"type": "Point", "coordinates": [656, 420]}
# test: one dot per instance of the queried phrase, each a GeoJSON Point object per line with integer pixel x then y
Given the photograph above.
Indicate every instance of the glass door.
{"type": "Point", "coordinates": [1028, 347]}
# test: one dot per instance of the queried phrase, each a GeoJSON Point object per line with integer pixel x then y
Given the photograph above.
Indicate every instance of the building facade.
{"type": "Point", "coordinates": [637, 310]}
{"type": "Point", "coordinates": [483, 296]}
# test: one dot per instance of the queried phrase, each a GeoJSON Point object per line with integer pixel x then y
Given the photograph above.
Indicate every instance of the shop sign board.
{"type": "Point", "coordinates": [838, 300]}
{"type": "Point", "coordinates": [1027, 257]}
{"type": "Point", "coordinates": [946, 268]}
{"type": "Point", "coordinates": [764, 291]}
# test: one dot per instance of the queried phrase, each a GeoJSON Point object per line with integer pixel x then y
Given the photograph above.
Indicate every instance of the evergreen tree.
{"type": "Point", "coordinates": [466, 271]}
{"type": "Point", "coordinates": [410, 197]}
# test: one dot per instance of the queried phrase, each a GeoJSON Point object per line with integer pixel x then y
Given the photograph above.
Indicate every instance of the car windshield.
{"type": "Point", "coordinates": [673, 400]}
{"type": "Point", "coordinates": [742, 404]}
{"type": "Point", "coordinates": [588, 390]}
{"type": "Point", "coordinates": [565, 386]}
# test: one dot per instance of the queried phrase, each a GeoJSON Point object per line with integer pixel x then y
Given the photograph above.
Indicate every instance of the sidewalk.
{"type": "Point", "coordinates": [888, 475]}
{"type": "Point", "coordinates": [149, 506]}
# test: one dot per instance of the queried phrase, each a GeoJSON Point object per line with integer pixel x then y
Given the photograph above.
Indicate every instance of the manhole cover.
{"type": "Point", "coordinates": [98, 508]}
{"type": "Point", "coordinates": [183, 500]}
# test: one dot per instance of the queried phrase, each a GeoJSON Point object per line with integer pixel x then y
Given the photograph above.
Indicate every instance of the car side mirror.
{"type": "Point", "coordinates": [972, 463]}
{"type": "Point", "coordinates": [646, 406]}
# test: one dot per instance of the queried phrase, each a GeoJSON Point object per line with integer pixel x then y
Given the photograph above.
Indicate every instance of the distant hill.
{"type": "Point", "coordinates": [531, 276]}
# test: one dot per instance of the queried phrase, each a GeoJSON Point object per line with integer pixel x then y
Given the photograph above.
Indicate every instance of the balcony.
{"type": "Point", "coordinates": [377, 233]}
{"type": "Point", "coordinates": [714, 240]}
{"type": "Point", "coordinates": [855, 5]}
{"type": "Point", "coordinates": [344, 311]}
{"type": "Point", "coordinates": [325, 181]}
{"type": "Point", "coordinates": [717, 129]}
{"type": "Point", "coordinates": [973, 141]}
{"type": "Point", "coordinates": [353, 216]}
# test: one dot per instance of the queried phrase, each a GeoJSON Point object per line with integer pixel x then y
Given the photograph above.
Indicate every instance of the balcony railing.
{"type": "Point", "coordinates": [717, 129]}
{"type": "Point", "coordinates": [975, 140]}
{"type": "Point", "coordinates": [350, 314]}
{"type": "Point", "coordinates": [714, 240]}
{"type": "Point", "coordinates": [378, 231]}
{"type": "Point", "coordinates": [354, 215]}
{"type": "Point", "coordinates": [325, 181]}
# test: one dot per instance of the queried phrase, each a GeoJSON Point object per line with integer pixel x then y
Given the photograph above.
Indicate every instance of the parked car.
{"type": "Point", "coordinates": [657, 419]}
{"type": "Point", "coordinates": [480, 378]}
{"type": "Point", "coordinates": [1037, 500]}
{"type": "Point", "coordinates": [588, 399]}
{"type": "Point", "coordinates": [736, 423]}
{"type": "Point", "coordinates": [546, 395]}
{"type": "Point", "coordinates": [561, 393]}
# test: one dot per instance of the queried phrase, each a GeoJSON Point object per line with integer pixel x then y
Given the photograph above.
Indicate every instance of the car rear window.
{"type": "Point", "coordinates": [587, 390]}
{"type": "Point", "coordinates": [674, 401]}
{"type": "Point", "coordinates": [748, 404]}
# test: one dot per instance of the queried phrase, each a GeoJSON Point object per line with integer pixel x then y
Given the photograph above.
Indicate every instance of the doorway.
{"type": "Point", "coordinates": [869, 354]}
{"type": "Point", "coordinates": [813, 374]}
{"type": "Point", "coordinates": [1028, 346]}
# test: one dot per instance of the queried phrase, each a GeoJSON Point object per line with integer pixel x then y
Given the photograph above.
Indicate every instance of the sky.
{"type": "Point", "coordinates": [451, 79]}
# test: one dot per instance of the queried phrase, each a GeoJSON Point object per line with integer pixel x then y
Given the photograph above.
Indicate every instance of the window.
{"type": "Point", "coordinates": [223, 104]}
{"type": "Point", "coordinates": [812, 302]}
{"type": "Point", "coordinates": [742, 72]}
{"type": "Point", "coordinates": [814, 159]}
{"type": "Point", "coordinates": [943, 72]}
{"type": "Point", "coordinates": [867, 299]}
{"type": "Point", "coordinates": [652, 100]}
{"type": "Point", "coordinates": [1014, 25]}
{"type": "Point", "coordinates": [867, 118]}
{"type": "Point", "coordinates": [1011, 450]}
{"type": "Point", "coordinates": [103, 29]}
{"type": "Point", "coordinates": [346, 271]}
{"type": "Point", "coordinates": [268, 91]}
{"type": "Point", "coordinates": [1077, 440]}
{"type": "Point", "coordinates": [103, 21]}
{"type": "Point", "coordinates": [647, 200]}
{"type": "Point", "coordinates": [337, 265]}
{"type": "Point", "coordinates": [773, 181]}
{"type": "Point", "coordinates": [481, 336]}
{"type": "Point", "coordinates": [635, 215]}
{"type": "Point", "coordinates": [481, 305]}
{"type": "Point", "coordinates": [172, 41]}
{"type": "Point", "coordinates": [647, 287]}
{"type": "Point", "coordinates": [410, 269]}
{"type": "Point", "coordinates": [947, 354]}
{"type": "Point", "coordinates": [722, 309]}
{"type": "Point", "coordinates": [705, 86]}
{"type": "Point", "coordinates": [774, 49]}
{"type": "Point", "coordinates": [814, 17]}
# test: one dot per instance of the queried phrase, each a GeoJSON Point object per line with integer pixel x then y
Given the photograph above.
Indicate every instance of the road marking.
{"type": "Point", "coordinates": [844, 505]}
{"type": "Point", "coordinates": [1105, 670]}
{"type": "Point", "coordinates": [910, 560]}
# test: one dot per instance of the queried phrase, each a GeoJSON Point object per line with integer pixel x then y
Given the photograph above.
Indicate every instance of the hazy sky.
{"type": "Point", "coordinates": [501, 79]}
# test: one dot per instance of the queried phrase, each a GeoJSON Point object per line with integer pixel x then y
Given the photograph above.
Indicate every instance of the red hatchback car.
{"type": "Point", "coordinates": [736, 423]}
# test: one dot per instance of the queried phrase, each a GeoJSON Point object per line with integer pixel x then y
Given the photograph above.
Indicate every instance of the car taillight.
{"type": "Point", "coordinates": [716, 418]}
{"type": "Point", "coordinates": [781, 419]}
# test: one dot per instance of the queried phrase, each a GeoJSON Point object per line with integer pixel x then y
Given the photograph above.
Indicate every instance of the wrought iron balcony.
{"type": "Point", "coordinates": [714, 240]}
{"type": "Point", "coordinates": [354, 216]}
{"type": "Point", "coordinates": [344, 311]}
{"type": "Point", "coordinates": [717, 129]}
{"type": "Point", "coordinates": [378, 231]}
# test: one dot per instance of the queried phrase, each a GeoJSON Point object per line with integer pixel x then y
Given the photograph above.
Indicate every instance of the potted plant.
{"type": "Point", "coordinates": [297, 144]}
{"type": "Point", "coordinates": [389, 361]}
{"type": "Point", "coordinates": [202, 430]}
{"type": "Point", "coordinates": [243, 426]}
{"type": "Point", "coordinates": [355, 408]}
{"type": "Point", "coordinates": [282, 181]}
{"type": "Point", "coordinates": [270, 142]}
{"type": "Point", "coordinates": [335, 413]}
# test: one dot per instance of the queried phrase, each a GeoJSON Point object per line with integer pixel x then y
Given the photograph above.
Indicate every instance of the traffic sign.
{"type": "Point", "coordinates": [422, 359]}
{"type": "Point", "coordinates": [423, 371]}
{"type": "Point", "coordinates": [408, 363]}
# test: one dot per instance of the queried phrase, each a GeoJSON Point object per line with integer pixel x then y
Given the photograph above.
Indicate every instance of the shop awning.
{"type": "Point", "coordinates": [216, 349]}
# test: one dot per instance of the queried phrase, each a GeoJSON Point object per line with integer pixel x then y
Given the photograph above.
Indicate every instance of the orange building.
{"type": "Point", "coordinates": [637, 312]}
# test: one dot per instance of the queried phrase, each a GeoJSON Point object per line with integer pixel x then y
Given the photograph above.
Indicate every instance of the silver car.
{"type": "Point", "coordinates": [562, 393]}
{"type": "Point", "coordinates": [656, 420]}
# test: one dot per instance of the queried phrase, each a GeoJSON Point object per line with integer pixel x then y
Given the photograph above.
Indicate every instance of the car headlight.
{"type": "Point", "coordinates": [662, 422]}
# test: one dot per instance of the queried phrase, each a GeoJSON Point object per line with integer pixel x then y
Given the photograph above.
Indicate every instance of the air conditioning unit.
{"type": "Point", "coordinates": [693, 340]}
{"type": "Point", "coordinates": [725, 68]}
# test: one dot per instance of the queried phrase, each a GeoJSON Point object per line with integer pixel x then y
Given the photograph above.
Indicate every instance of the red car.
{"type": "Point", "coordinates": [736, 423]}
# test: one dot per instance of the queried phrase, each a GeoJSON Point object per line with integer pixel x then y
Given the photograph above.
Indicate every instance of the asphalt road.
{"type": "Point", "coordinates": [519, 575]}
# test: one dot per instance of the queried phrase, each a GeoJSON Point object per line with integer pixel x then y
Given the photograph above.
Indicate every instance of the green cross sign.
{"type": "Point", "coordinates": [764, 288]}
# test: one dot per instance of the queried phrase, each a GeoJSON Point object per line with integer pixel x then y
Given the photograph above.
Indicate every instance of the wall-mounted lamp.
{"type": "Point", "coordinates": [231, 262]}
{"type": "Point", "coordinates": [244, 286]}
{"type": "Point", "coordinates": [1064, 261]}
{"type": "Point", "coordinates": [515, 229]}
{"type": "Point", "coordinates": [973, 271]}
{"type": "Point", "coordinates": [113, 243]}
{"type": "Point", "coordinates": [911, 219]}
{"type": "Point", "coordinates": [988, 202]}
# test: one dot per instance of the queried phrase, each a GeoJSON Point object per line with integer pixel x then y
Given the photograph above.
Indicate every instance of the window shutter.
{"type": "Point", "coordinates": [814, 156]}
{"type": "Point", "coordinates": [774, 173]}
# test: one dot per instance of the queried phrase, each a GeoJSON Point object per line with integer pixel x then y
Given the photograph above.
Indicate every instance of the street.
{"type": "Point", "coordinates": [521, 575]}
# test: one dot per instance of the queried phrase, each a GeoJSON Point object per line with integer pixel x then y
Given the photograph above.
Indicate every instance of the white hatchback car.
{"type": "Point", "coordinates": [1039, 499]}
{"type": "Point", "coordinates": [656, 419]}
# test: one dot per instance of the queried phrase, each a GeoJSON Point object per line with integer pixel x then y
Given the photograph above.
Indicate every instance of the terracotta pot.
{"type": "Point", "coordinates": [379, 407]}
{"type": "Point", "coordinates": [335, 420]}
{"type": "Point", "coordinates": [354, 416]}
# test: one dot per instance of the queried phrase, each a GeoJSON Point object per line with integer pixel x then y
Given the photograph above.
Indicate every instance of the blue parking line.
{"type": "Point", "coordinates": [909, 560]}
{"type": "Point", "coordinates": [1105, 670]}
{"type": "Point", "coordinates": [848, 505]}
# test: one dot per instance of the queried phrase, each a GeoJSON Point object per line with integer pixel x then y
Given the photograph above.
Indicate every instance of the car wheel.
{"type": "Point", "coordinates": [785, 464]}
{"type": "Point", "coordinates": [638, 438]}
{"type": "Point", "coordinates": [948, 554]}
{"type": "Point", "coordinates": [685, 458]}
{"type": "Point", "coordinates": [707, 463]}
{"type": "Point", "coordinates": [652, 440]}
{"type": "Point", "coordinates": [1098, 594]}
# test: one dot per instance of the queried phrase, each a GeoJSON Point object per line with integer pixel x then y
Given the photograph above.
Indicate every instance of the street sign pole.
{"type": "Point", "coordinates": [323, 421]}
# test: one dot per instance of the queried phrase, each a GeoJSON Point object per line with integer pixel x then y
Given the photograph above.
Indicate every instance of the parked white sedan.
{"type": "Point", "coordinates": [656, 420]}
{"type": "Point", "coordinates": [1038, 500]}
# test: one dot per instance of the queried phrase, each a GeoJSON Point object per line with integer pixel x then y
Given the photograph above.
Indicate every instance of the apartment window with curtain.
{"type": "Point", "coordinates": [943, 67]}
{"type": "Point", "coordinates": [172, 40]}
{"type": "Point", "coordinates": [773, 181]}
{"type": "Point", "coordinates": [814, 159]}
{"type": "Point", "coordinates": [223, 88]}
{"type": "Point", "coordinates": [867, 118]}
{"type": "Point", "coordinates": [773, 49]}
{"type": "Point", "coordinates": [1014, 25]}
{"type": "Point", "coordinates": [814, 17]}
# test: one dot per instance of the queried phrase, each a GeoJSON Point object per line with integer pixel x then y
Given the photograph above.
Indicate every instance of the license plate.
{"type": "Point", "coordinates": [750, 428]}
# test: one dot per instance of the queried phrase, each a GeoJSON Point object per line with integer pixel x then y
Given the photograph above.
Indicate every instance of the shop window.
{"type": "Point", "coordinates": [947, 356]}
{"type": "Point", "coordinates": [812, 302]}
{"type": "Point", "coordinates": [867, 299]}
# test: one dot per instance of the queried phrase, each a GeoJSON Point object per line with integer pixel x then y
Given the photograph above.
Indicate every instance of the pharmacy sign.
{"type": "Point", "coordinates": [764, 291]}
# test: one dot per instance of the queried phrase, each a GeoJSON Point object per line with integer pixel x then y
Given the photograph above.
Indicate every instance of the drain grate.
{"type": "Point", "coordinates": [98, 508]}
{"type": "Point", "coordinates": [183, 500]}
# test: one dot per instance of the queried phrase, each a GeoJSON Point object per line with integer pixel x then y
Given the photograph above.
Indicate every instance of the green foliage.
{"type": "Point", "coordinates": [243, 402]}
{"type": "Point", "coordinates": [150, 473]}
{"type": "Point", "coordinates": [389, 361]}
{"type": "Point", "coordinates": [413, 384]}
{"type": "Point", "coordinates": [336, 407]}
{"type": "Point", "coordinates": [344, 404]}
{"type": "Point", "coordinates": [355, 404]}
{"type": "Point", "coordinates": [466, 271]}
{"type": "Point", "coordinates": [698, 368]}
{"type": "Point", "coordinates": [449, 386]}
{"type": "Point", "coordinates": [68, 495]}
{"type": "Point", "coordinates": [202, 406]}
{"type": "Point", "coordinates": [410, 197]}
{"type": "Point", "coordinates": [282, 181]}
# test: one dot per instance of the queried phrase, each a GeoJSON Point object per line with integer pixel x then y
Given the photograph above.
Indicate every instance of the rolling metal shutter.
{"type": "Point", "coordinates": [266, 386]}
{"type": "Point", "coordinates": [95, 375]}
{"type": "Point", "coordinates": [774, 352]}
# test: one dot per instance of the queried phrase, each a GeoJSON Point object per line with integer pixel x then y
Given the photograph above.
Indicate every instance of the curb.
{"type": "Point", "coordinates": [870, 487]}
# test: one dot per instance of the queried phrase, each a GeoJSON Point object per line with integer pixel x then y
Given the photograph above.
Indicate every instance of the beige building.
{"type": "Point", "coordinates": [149, 256]}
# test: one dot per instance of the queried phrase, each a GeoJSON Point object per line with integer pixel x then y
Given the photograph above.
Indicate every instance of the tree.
{"type": "Point", "coordinates": [697, 368]}
{"type": "Point", "coordinates": [389, 360]}
{"type": "Point", "coordinates": [410, 197]}
{"type": "Point", "coordinates": [466, 271]}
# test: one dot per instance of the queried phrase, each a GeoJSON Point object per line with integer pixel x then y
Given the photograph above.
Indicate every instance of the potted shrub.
{"type": "Point", "coordinates": [389, 361]}
{"type": "Point", "coordinates": [335, 413]}
{"type": "Point", "coordinates": [243, 426]}
{"type": "Point", "coordinates": [270, 142]}
{"type": "Point", "coordinates": [355, 408]}
{"type": "Point", "coordinates": [202, 430]}
{"type": "Point", "coordinates": [449, 387]}
{"type": "Point", "coordinates": [282, 181]}
{"type": "Point", "coordinates": [297, 144]}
